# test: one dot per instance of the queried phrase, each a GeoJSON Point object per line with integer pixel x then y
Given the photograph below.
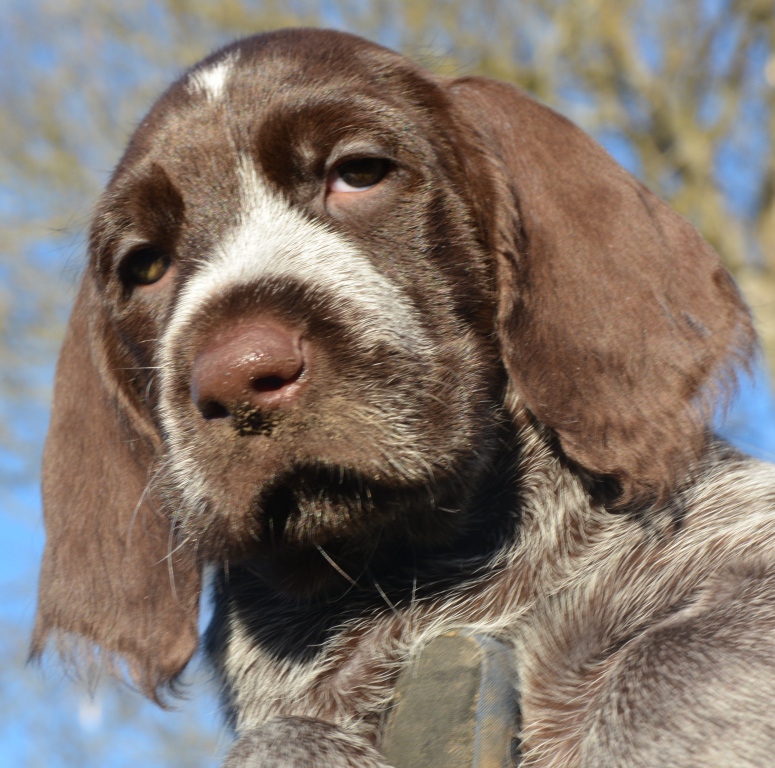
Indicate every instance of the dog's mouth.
{"type": "Point", "coordinates": [309, 508]}
{"type": "Point", "coordinates": [321, 529]}
{"type": "Point", "coordinates": [315, 504]}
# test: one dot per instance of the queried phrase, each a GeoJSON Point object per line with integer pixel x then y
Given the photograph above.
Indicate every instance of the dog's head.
{"type": "Point", "coordinates": [320, 282]}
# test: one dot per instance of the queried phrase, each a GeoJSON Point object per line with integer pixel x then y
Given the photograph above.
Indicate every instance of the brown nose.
{"type": "Point", "coordinates": [254, 366]}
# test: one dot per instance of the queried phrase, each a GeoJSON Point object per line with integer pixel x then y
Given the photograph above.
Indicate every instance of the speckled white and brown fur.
{"type": "Point", "coordinates": [512, 349]}
{"type": "Point", "coordinates": [633, 649]}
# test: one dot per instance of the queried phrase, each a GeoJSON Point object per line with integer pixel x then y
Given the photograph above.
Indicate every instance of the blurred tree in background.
{"type": "Point", "coordinates": [683, 94]}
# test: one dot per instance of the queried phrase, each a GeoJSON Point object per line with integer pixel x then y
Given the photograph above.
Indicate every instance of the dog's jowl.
{"type": "Point", "coordinates": [398, 356]}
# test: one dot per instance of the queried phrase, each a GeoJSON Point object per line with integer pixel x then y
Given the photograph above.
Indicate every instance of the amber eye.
{"type": "Point", "coordinates": [358, 175]}
{"type": "Point", "coordinates": [145, 265]}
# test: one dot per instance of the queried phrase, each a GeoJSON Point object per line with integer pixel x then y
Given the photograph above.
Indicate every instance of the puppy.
{"type": "Point", "coordinates": [401, 354]}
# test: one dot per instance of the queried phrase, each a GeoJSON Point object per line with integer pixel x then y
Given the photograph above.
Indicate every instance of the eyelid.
{"type": "Point", "coordinates": [346, 153]}
{"type": "Point", "coordinates": [129, 245]}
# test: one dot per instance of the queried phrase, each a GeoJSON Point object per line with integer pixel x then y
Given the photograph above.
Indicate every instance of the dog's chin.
{"type": "Point", "coordinates": [309, 529]}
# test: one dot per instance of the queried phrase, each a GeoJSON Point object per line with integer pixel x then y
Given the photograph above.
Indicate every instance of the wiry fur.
{"type": "Point", "coordinates": [510, 348]}
{"type": "Point", "coordinates": [581, 633]}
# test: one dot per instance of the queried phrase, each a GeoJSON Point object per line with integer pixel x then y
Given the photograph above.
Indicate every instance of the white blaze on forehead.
{"type": "Point", "coordinates": [271, 240]}
{"type": "Point", "coordinates": [211, 80]}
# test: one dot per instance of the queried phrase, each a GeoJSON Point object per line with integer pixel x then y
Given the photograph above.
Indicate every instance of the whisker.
{"type": "Point", "coordinates": [413, 598]}
{"type": "Point", "coordinates": [170, 569]}
{"type": "Point", "coordinates": [140, 368]}
{"type": "Point", "coordinates": [384, 596]}
{"type": "Point", "coordinates": [145, 492]}
{"type": "Point", "coordinates": [331, 562]}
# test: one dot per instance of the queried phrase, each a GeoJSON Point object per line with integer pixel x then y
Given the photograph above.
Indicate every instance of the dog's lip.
{"type": "Point", "coordinates": [353, 493]}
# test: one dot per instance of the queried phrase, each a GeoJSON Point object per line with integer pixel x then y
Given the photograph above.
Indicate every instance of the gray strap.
{"type": "Point", "coordinates": [456, 706]}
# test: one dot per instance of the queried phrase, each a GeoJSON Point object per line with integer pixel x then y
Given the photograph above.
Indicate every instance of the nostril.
{"type": "Point", "coordinates": [269, 384]}
{"type": "Point", "coordinates": [213, 410]}
{"type": "Point", "coordinates": [275, 383]}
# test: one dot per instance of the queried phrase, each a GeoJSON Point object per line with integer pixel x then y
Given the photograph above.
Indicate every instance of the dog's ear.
{"type": "Point", "coordinates": [111, 575]}
{"type": "Point", "coordinates": [616, 318]}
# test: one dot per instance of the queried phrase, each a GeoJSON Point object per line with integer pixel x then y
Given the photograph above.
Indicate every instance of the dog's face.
{"type": "Point", "coordinates": [295, 272]}
{"type": "Point", "coordinates": [323, 288]}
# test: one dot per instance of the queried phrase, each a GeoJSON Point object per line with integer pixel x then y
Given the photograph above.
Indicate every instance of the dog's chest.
{"type": "Point", "coordinates": [343, 668]}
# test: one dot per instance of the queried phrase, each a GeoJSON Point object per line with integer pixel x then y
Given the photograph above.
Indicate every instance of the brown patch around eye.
{"type": "Point", "coordinates": [145, 266]}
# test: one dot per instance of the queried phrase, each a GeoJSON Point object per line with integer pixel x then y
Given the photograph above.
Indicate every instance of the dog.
{"type": "Point", "coordinates": [396, 354]}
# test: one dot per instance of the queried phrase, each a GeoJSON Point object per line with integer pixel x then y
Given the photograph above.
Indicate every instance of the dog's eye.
{"type": "Point", "coordinates": [145, 266]}
{"type": "Point", "coordinates": [358, 175]}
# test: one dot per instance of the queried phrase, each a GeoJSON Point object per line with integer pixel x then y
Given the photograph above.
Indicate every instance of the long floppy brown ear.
{"type": "Point", "coordinates": [107, 577]}
{"type": "Point", "coordinates": [615, 316]}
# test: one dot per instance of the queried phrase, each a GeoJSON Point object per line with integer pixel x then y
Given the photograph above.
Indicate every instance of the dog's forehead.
{"type": "Point", "coordinates": [292, 60]}
{"type": "Point", "coordinates": [228, 98]}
